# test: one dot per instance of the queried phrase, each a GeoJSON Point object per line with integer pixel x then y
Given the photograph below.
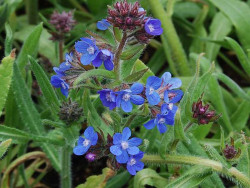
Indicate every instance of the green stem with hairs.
{"type": "Point", "coordinates": [169, 32]}
{"type": "Point", "coordinates": [118, 53]}
{"type": "Point", "coordinates": [66, 181]}
{"type": "Point", "coordinates": [32, 11]}
{"type": "Point", "coordinates": [191, 160]}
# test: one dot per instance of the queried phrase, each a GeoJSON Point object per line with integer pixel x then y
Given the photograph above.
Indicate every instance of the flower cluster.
{"type": "Point", "coordinates": [160, 93]}
{"type": "Point", "coordinates": [125, 150]}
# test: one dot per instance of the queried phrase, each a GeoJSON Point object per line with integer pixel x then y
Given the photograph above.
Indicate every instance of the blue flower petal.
{"type": "Point", "coordinates": [82, 46]}
{"type": "Point", "coordinates": [166, 77]}
{"type": "Point", "coordinates": [103, 24]}
{"type": "Point", "coordinates": [175, 83]}
{"type": "Point", "coordinates": [139, 156]}
{"type": "Point", "coordinates": [162, 128]}
{"type": "Point", "coordinates": [123, 158]}
{"type": "Point", "coordinates": [154, 98]}
{"type": "Point", "coordinates": [134, 142]}
{"type": "Point", "coordinates": [117, 138]}
{"type": "Point", "coordinates": [133, 150]}
{"type": "Point", "coordinates": [171, 116]}
{"type": "Point", "coordinates": [65, 90]}
{"type": "Point", "coordinates": [80, 150]}
{"type": "Point", "coordinates": [80, 141]}
{"type": "Point", "coordinates": [154, 82]}
{"type": "Point", "coordinates": [86, 59]}
{"type": "Point", "coordinates": [139, 165]}
{"type": "Point", "coordinates": [136, 99]}
{"type": "Point", "coordinates": [153, 27]}
{"type": "Point", "coordinates": [94, 139]}
{"type": "Point", "coordinates": [137, 88]}
{"type": "Point", "coordinates": [131, 169]}
{"type": "Point", "coordinates": [164, 108]}
{"type": "Point", "coordinates": [126, 106]}
{"type": "Point", "coordinates": [97, 62]}
{"type": "Point", "coordinates": [116, 150]}
{"type": "Point", "coordinates": [126, 133]}
{"type": "Point", "coordinates": [150, 124]}
{"type": "Point", "coordinates": [173, 96]}
{"type": "Point", "coordinates": [89, 132]}
{"type": "Point", "coordinates": [109, 65]}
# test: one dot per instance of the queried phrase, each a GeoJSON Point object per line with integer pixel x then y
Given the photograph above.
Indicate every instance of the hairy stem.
{"type": "Point", "coordinates": [65, 174]}
{"type": "Point", "coordinates": [118, 54]}
{"type": "Point", "coordinates": [169, 32]}
{"type": "Point", "coordinates": [191, 160]}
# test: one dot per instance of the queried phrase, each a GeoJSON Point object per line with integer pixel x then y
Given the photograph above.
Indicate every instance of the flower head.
{"type": "Point", "coordinates": [134, 164]}
{"type": "Point", "coordinates": [58, 82]}
{"type": "Point", "coordinates": [153, 27]}
{"type": "Point", "coordinates": [126, 97]}
{"type": "Point", "coordinates": [83, 144]}
{"type": "Point", "coordinates": [88, 49]}
{"type": "Point", "coordinates": [153, 83]}
{"type": "Point", "coordinates": [124, 146]}
{"type": "Point", "coordinates": [229, 152]}
{"type": "Point", "coordinates": [108, 98]}
{"type": "Point", "coordinates": [106, 57]}
{"type": "Point", "coordinates": [166, 117]}
{"type": "Point", "coordinates": [126, 16]}
{"type": "Point", "coordinates": [103, 24]}
{"type": "Point", "coordinates": [60, 71]}
{"type": "Point", "coordinates": [90, 157]}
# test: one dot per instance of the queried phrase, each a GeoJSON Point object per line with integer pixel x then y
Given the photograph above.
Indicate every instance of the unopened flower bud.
{"type": "Point", "coordinates": [90, 157]}
{"type": "Point", "coordinates": [229, 152]}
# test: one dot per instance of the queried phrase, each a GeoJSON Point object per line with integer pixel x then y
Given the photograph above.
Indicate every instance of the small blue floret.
{"type": "Point", "coordinates": [58, 82]}
{"type": "Point", "coordinates": [134, 164]}
{"type": "Point", "coordinates": [153, 27]}
{"type": "Point", "coordinates": [103, 24]}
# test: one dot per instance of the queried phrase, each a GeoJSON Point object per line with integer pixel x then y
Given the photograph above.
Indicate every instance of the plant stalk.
{"type": "Point", "coordinates": [32, 11]}
{"type": "Point", "coordinates": [118, 53]}
{"type": "Point", "coordinates": [191, 160]}
{"type": "Point", "coordinates": [65, 174]}
{"type": "Point", "coordinates": [61, 51]}
{"type": "Point", "coordinates": [169, 32]}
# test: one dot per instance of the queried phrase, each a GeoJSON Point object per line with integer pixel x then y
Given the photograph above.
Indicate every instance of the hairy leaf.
{"type": "Point", "coordinates": [4, 145]}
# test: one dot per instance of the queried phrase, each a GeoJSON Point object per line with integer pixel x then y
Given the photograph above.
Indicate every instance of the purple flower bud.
{"type": "Point", "coordinates": [229, 152]}
{"type": "Point", "coordinates": [90, 157]}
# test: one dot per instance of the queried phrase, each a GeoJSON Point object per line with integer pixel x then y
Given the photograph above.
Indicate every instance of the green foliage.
{"type": "Point", "coordinates": [4, 145]}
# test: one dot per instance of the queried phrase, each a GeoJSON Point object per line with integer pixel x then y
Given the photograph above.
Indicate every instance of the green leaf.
{"type": "Point", "coordinates": [232, 85]}
{"type": "Point", "coordinates": [6, 70]}
{"type": "Point", "coordinates": [30, 46]}
{"type": "Point", "coordinates": [98, 181]}
{"type": "Point", "coordinates": [160, 58]}
{"type": "Point", "coordinates": [19, 136]}
{"type": "Point", "coordinates": [244, 161]}
{"type": "Point", "coordinates": [8, 39]}
{"type": "Point", "coordinates": [166, 139]}
{"type": "Point", "coordinates": [219, 28]}
{"type": "Point", "coordinates": [119, 180]}
{"type": "Point", "coordinates": [148, 176]}
{"type": "Point", "coordinates": [29, 114]}
{"type": "Point", "coordinates": [4, 147]}
{"type": "Point", "coordinates": [237, 12]}
{"type": "Point", "coordinates": [3, 15]}
{"type": "Point", "coordinates": [45, 86]}
{"type": "Point", "coordinates": [216, 156]}
{"type": "Point", "coordinates": [94, 73]}
{"type": "Point", "coordinates": [191, 178]}
{"type": "Point", "coordinates": [132, 51]}
{"type": "Point", "coordinates": [93, 117]}
{"type": "Point", "coordinates": [134, 77]}
{"type": "Point", "coordinates": [139, 66]}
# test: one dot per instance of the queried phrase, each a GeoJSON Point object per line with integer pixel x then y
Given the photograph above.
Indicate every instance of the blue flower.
{"type": "Point", "coordinates": [88, 49]}
{"type": "Point", "coordinates": [126, 97]}
{"type": "Point", "coordinates": [153, 27]}
{"type": "Point", "coordinates": [173, 96]}
{"type": "Point", "coordinates": [108, 98]}
{"type": "Point", "coordinates": [106, 57]}
{"type": "Point", "coordinates": [172, 83]}
{"type": "Point", "coordinates": [58, 82]}
{"type": "Point", "coordinates": [153, 83]}
{"type": "Point", "coordinates": [166, 117]}
{"type": "Point", "coordinates": [84, 144]}
{"type": "Point", "coordinates": [134, 164]}
{"type": "Point", "coordinates": [124, 146]}
{"type": "Point", "coordinates": [64, 66]}
{"type": "Point", "coordinates": [103, 24]}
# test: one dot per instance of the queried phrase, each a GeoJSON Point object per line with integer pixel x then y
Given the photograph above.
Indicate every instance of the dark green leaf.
{"type": "Point", "coordinates": [8, 39]}
{"type": "Point", "coordinates": [134, 77]}
{"type": "Point", "coordinates": [4, 145]}
{"type": "Point", "coordinates": [131, 52]}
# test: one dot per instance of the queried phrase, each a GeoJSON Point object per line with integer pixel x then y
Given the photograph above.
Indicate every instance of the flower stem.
{"type": "Point", "coordinates": [191, 160]}
{"type": "Point", "coordinates": [61, 51]}
{"type": "Point", "coordinates": [178, 54]}
{"type": "Point", "coordinates": [118, 54]}
{"type": "Point", "coordinates": [32, 11]}
{"type": "Point", "coordinates": [188, 126]}
{"type": "Point", "coordinates": [66, 168]}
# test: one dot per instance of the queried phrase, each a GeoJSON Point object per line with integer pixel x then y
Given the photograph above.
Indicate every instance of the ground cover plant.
{"type": "Point", "coordinates": [150, 93]}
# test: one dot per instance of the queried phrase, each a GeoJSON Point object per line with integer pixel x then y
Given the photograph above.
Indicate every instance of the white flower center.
{"type": "Point", "coordinates": [151, 90]}
{"type": "Point", "coordinates": [67, 64]}
{"type": "Point", "coordinates": [170, 106]}
{"type": "Point", "coordinates": [132, 161]}
{"type": "Point", "coordinates": [161, 121]}
{"type": "Point", "coordinates": [108, 97]}
{"type": "Point", "coordinates": [91, 50]}
{"type": "Point", "coordinates": [86, 142]}
{"type": "Point", "coordinates": [151, 27]}
{"type": "Point", "coordinates": [126, 97]}
{"type": "Point", "coordinates": [124, 145]}
{"type": "Point", "coordinates": [63, 85]}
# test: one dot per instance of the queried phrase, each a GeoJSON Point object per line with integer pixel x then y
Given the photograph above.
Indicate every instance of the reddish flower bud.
{"type": "Point", "coordinates": [229, 152]}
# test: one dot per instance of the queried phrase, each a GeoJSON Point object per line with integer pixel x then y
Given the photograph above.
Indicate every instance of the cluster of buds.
{"type": "Point", "coordinates": [63, 24]}
{"type": "Point", "coordinates": [202, 113]}
{"type": "Point", "coordinates": [126, 16]}
{"type": "Point", "coordinates": [70, 112]}
{"type": "Point", "coordinates": [230, 152]}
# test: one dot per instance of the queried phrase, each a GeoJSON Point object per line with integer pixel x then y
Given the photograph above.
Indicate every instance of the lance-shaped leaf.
{"type": "Point", "coordinates": [134, 77]}
{"type": "Point", "coordinates": [6, 70]}
{"type": "Point", "coordinates": [45, 85]}
{"type": "Point", "coordinates": [132, 51]}
{"type": "Point", "coordinates": [8, 39]}
{"type": "Point", "coordinates": [4, 147]}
